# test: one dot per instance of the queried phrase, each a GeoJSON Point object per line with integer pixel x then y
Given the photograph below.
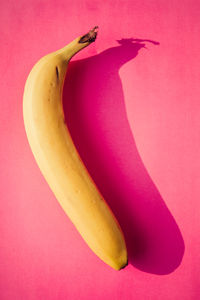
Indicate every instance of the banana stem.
{"type": "Point", "coordinates": [90, 36]}
{"type": "Point", "coordinates": [78, 44]}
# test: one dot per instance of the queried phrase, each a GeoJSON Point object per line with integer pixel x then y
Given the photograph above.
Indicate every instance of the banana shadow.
{"type": "Point", "coordinates": [95, 112]}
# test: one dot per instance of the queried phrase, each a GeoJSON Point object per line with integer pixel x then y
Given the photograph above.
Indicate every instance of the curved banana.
{"type": "Point", "coordinates": [59, 161]}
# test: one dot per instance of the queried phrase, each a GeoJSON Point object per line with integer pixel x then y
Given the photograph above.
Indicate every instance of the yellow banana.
{"type": "Point", "coordinates": [59, 161]}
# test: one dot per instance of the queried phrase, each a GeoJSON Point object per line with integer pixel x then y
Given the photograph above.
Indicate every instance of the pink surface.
{"type": "Point", "coordinates": [132, 104]}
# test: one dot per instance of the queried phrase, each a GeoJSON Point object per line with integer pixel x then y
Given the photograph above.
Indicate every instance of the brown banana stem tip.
{"type": "Point", "coordinates": [90, 36]}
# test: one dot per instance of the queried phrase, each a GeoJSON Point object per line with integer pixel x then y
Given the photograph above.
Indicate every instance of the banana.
{"type": "Point", "coordinates": [59, 160]}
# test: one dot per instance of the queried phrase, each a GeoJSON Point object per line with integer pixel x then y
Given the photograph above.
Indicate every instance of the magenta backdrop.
{"type": "Point", "coordinates": [132, 104]}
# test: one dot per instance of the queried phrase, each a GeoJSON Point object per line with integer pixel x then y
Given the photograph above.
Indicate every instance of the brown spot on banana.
{"type": "Point", "coordinates": [57, 73]}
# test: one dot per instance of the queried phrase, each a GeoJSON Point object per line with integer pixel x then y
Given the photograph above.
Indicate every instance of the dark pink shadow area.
{"type": "Point", "coordinates": [95, 113]}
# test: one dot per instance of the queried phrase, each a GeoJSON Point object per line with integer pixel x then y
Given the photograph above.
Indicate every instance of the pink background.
{"type": "Point", "coordinates": [134, 114]}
